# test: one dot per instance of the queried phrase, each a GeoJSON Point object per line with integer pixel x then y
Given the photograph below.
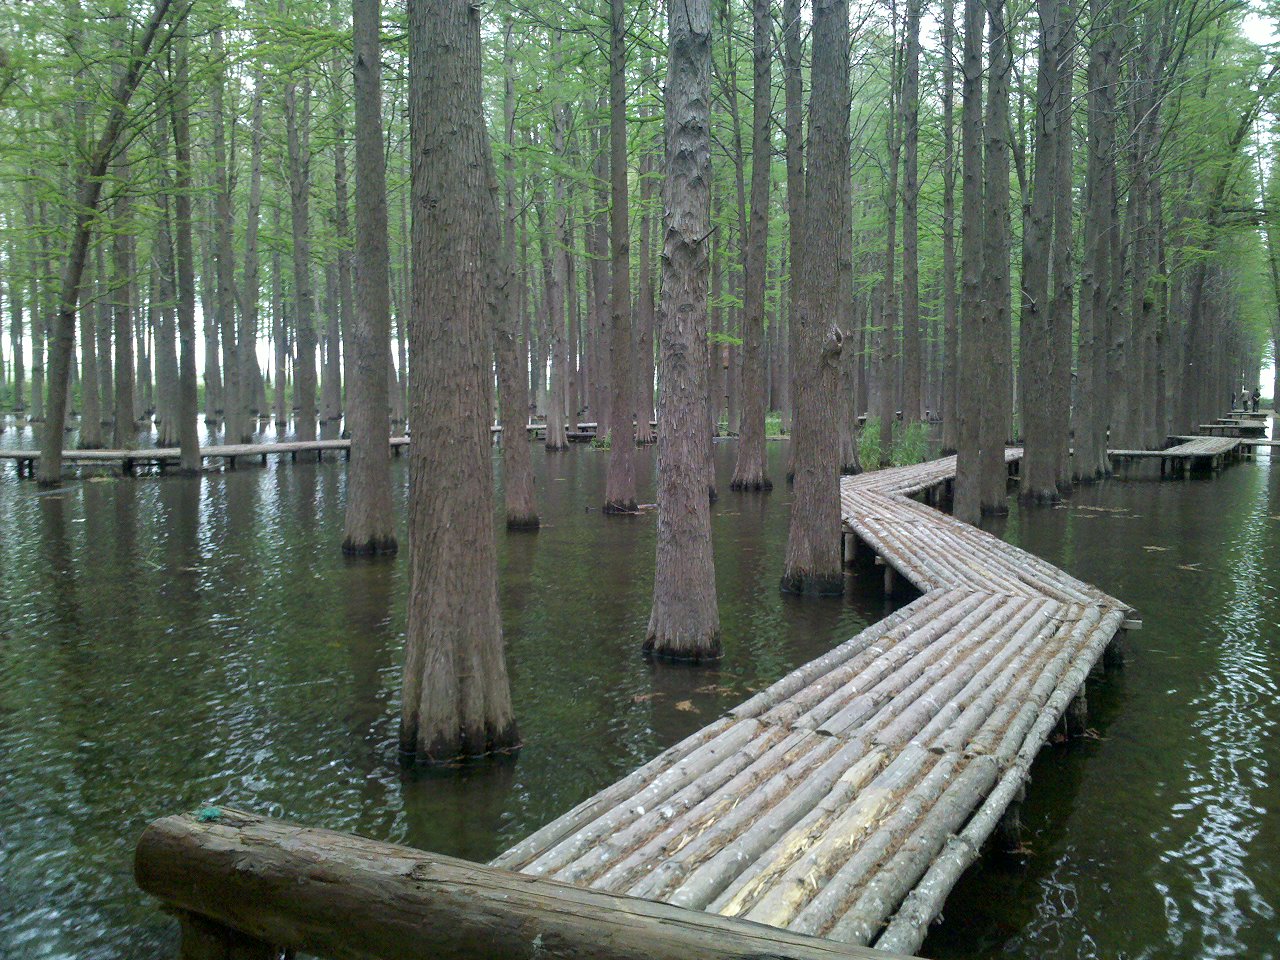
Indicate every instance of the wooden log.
{"type": "Point", "coordinates": [203, 939]}
{"type": "Point", "coordinates": [339, 895]}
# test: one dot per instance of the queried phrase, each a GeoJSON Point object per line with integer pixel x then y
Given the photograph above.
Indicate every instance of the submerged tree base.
{"type": "Point", "coordinates": [759, 483]}
{"type": "Point", "coordinates": [373, 547]}
{"type": "Point", "coordinates": [464, 746]}
{"type": "Point", "coordinates": [528, 522]}
{"type": "Point", "coordinates": [812, 584]}
{"type": "Point", "coordinates": [621, 508]}
{"type": "Point", "coordinates": [684, 647]}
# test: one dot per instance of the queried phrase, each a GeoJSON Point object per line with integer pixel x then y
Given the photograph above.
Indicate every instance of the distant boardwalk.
{"type": "Point", "coordinates": [162, 457]}
{"type": "Point", "coordinates": [845, 800]}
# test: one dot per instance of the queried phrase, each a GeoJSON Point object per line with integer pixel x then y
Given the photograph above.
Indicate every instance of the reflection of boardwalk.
{"type": "Point", "coordinates": [162, 457]}
{"type": "Point", "coordinates": [846, 799]}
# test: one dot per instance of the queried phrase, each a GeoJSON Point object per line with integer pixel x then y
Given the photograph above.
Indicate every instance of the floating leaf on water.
{"type": "Point", "coordinates": [646, 697]}
{"type": "Point", "coordinates": [687, 706]}
{"type": "Point", "coordinates": [1151, 547]}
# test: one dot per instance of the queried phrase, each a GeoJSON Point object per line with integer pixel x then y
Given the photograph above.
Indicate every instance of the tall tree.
{"type": "Point", "coordinates": [456, 697]}
{"type": "Point", "coordinates": [971, 362]}
{"type": "Point", "coordinates": [684, 622]}
{"type": "Point", "coordinates": [620, 482]}
{"type": "Point", "coordinates": [513, 384]}
{"type": "Point", "coordinates": [370, 524]}
{"type": "Point", "coordinates": [813, 554]}
{"type": "Point", "coordinates": [912, 358]}
{"type": "Point", "coordinates": [749, 469]}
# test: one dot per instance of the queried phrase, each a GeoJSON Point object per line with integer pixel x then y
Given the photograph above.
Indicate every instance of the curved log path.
{"type": "Point", "coordinates": [845, 800]}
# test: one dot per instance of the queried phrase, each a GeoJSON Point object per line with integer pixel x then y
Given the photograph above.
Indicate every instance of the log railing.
{"type": "Point", "coordinates": [245, 886]}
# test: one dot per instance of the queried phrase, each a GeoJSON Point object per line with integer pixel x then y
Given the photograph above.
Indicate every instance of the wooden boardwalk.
{"type": "Point", "coordinates": [846, 800]}
{"type": "Point", "coordinates": [164, 457]}
{"type": "Point", "coordinates": [1187, 453]}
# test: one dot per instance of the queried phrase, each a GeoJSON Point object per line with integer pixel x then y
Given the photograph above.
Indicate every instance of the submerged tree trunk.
{"type": "Point", "coordinates": [971, 364]}
{"type": "Point", "coordinates": [304, 364]}
{"type": "Point", "coordinates": [456, 697]}
{"type": "Point", "coordinates": [684, 622]}
{"type": "Point", "coordinates": [1039, 475]}
{"type": "Point", "coordinates": [912, 364]}
{"type": "Point", "coordinates": [749, 469]}
{"type": "Point", "coordinates": [620, 482]}
{"type": "Point", "coordinates": [184, 266]}
{"type": "Point", "coordinates": [950, 369]}
{"type": "Point", "coordinates": [247, 336]}
{"type": "Point", "coordinates": [513, 385]}
{"type": "Point", "coordinates": [793, 134]}
{"type": "Point", "coordinates": [369, 524]}
{"type": "Point", "coordinates": [813, 542]}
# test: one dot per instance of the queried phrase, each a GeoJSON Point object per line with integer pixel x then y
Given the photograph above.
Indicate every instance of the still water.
{"type": "Point", "coordinates": [165, 642]}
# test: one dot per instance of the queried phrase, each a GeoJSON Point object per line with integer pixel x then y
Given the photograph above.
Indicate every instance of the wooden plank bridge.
{"type": "Point", "coordinates": [846, 799]}
{"type": "Point", "coordinates": [166, 457]}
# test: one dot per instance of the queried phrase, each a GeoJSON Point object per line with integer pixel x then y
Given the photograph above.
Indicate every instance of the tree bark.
{"type": "Point", "coordinates": [1039, 482]}
{"type": "Point", "coordinates": [184, 264]}
{"type": "Point", "coordinates": [223, 251]}
{"type": "Point", "coordinates": [684, 622]}
{"type": "Point", "coordinates": [997, 410]}
{"type": "Point", "coordinates": [620, 481]}
{"type": "Point", "coordinates": [513, 384]}
{"type": "Point", "coordinates": [749, 471]}
{"type": "Point", "coordinates": [951, 372]}
{"type": "Point", "coordinates": [813, 542]}
{"type": "Point", "coordinates": [456, 698]}
{"type": "Point", "coordinates": [972, 364]}
{"type": "Point", "coordinates": [297, 123]}
{"type": "Point", "coordinates": [369, 526]}
{"type": "Point", "coordinates": [912, 364]}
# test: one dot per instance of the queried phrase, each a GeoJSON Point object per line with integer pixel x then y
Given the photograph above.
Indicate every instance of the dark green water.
{"type": "Point", "coordinates": [166, 642]}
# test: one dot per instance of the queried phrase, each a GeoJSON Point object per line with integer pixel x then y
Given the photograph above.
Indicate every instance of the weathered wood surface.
{"type": "Point", "coordinates": [262, 886]}
{"type": "Point", "coordinates": [832, 803]}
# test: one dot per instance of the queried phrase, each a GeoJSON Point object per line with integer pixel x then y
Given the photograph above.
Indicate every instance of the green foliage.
{"type": "Point", "coordinates": [602, 443]}
{"type": "Point", "coordinates": [910, 445]}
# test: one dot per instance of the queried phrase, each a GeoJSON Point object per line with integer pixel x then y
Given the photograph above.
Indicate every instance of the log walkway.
{"type": "Point", "coordinates": [165, 457]}
{"type": "Point", "coordinates": [1188, 453]}
{"type": "Point", "coordinates": [845, 800]}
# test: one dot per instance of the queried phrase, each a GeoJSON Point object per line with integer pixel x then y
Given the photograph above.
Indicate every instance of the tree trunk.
{"type": "Point", "coordinates": [997, 411]}
{"type": "Point", "coordinates": [793, 135]}
{"type": "Point", "coordinates": [247, 336]}
{"type": "Point", "coordinates": [513, 384]}
{"type": "Point", "coordinates": [912, 362]}
{"type": "Point", "coordinates": [1061, 321]}
{"type": "Point", "coordinates": [184, 265]}
{"type": "Point", "coordinates": [1036, 335]}
{"type": "Point", "coordinates": [90, 412]}
{"type": "Point", "coordinates": [279, 334]}
{"type": "Point", "coordinates": [886, 361]}
{"type": "Point", "coordinates": [224, 251]}
{"type": "Point", "coordinates": [813, 543]}
{"type": "Point", "coordinates": [684, 622]}
{"type": "Point", "coordinates": [456, 697]}
{"type": "Point", "coordinates": [749, 469]}
{"type": "Point", "coordinates": [951, 342]}
{"type": "Point", "coordinates": [370, 522]}
{"type": "Point", "coordinates": [123, 435]}
{"type": "Point", "coordinates": [972, 363]}
{"type": "Point", "coordinates": [620, 482]}
{"type": "Point", "coordinates": [297, 122]}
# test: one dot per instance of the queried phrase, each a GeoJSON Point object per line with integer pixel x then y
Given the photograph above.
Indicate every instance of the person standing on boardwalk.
{"type": "Point", "coordinates": [1257, 395]}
